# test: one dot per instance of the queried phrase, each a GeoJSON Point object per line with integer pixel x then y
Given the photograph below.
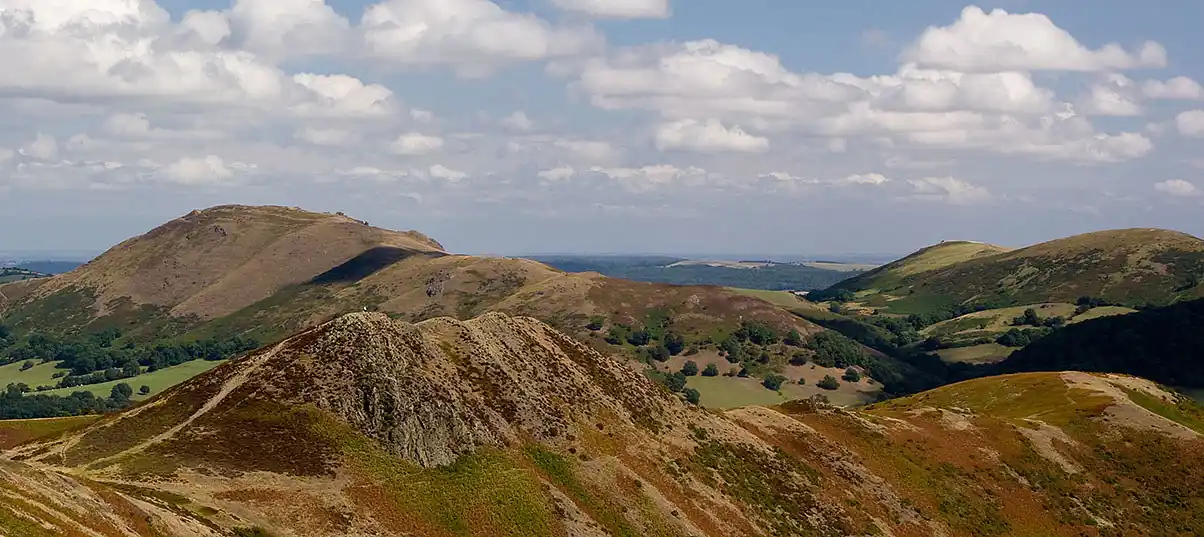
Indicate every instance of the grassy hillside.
{"type": "Point", "coordinates": [1132, 268]}
{"type": "Point", "coordinates": [368, 426]}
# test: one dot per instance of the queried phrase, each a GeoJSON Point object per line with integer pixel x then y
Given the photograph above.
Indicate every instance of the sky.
{"type": "Point", "coordinates": [606, 126]}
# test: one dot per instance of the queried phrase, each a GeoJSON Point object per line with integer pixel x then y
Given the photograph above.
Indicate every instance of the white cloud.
{"type": "Point", "coordinates": [590, 150]}
{"type": "Point", "coordinates": [556, 175]}
{"type": "Point", "coordinates": [198, 171]}
{"type": "Point", "coordinates": [1190, 123]}
{"type": "Point", "coordinates": [43, 147]}
{"type": "Point", "coordinates": [1114, 97]}
{"type": "Point", "coordinates": [288, 27]}
{"type": "Point", "coordinates": [518, 121]}
{"type": "Point", "coordinates": [1177, 188]}
{"type": "Point", "coordinates": [657, 176]}
{"type": "Point", "coordinates": [327, 137]}
{"type": "Point", "coordinates": [422, 116]}
{"type": "Point", "coordinates": [874, 179]}
{"type": "Point", "coordinates": [1179, 87]}
{"type": "Point", "coordinates": [950, 190]}
{"type": "Point", "coordinates": [439, 171]}
{"type": "Point", "coordinates": [927, 90]}
{"type": "Point", "coordinates": [414, 144]}
{"type": "Point", "coordinates": [709, 136]}
{"type": "Point", "coordinates": [473, 34]}
{"type": "Point", "coordinates": [344, 95]}
{"type": "Point", "coordinates": [618, 9]}
{"type": "Point", "coordinates": [1000, 41]}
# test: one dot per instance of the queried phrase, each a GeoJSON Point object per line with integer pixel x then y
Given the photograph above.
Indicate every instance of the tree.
{"type": "Point", "coordinates": [794, 339]}
{"type": "Point", "coordinates": [690, 369]}
{"type": "Point", "coordinates": [802, 382]}
{"type": "Point", "coordinates": [1030, 318]}
{"type": "Point", "coordinates": [773, 382]}
{"type": "Point", "coordinates": [121, 392]}
{"type": "Point", "coordinates": [595, 323]}
{"type": "Point", "coordinates": [675, 343]}
{"type": "Point", "coordinates": [757, 332]}
{"type": "Point", "coordinates": [851, 375]}
{"type": "Point", "coordinates": [27, 365]}
{"type": "Point", "coordinates": [798, 358]}
{"type": "Point", "coordinates": [829, 383]}
{"type": "Point", "coordinates": [676, 382]}
{"type": "Point", "coordinates": [710, 371]}
{"type": "Point", "coordinates": [638, 338]}
{"type": "Point", "coordinates": [734, 350]}
{"type": "Point", "coordinates": [693, 396]}
{"type": "Point", "coordinates": [144, 390]}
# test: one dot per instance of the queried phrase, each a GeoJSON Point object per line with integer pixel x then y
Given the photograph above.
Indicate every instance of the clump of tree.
{"type": "Point", "coordinates": [851, 375]}
{"type": "Point", "coordinates": [835, 350]}
{"type": "Point", "coordinates": [711, 370]}
{"type": "Point", "coordinates": [692, 395]}
{"type": "Point", "coordinates": [17, 403]}
{"type": "Point", "coordinates": [1017, 338]}
{"type": "Point", "coordinates": [690, 369]}
{"type": "Point", "coordinates": [829, 383]}
{"type": "Point", "coordinates": [773, 382]}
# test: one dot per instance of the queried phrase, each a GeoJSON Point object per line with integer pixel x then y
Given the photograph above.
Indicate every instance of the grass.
{"type": "Point", "coordinates": [728, 392]}
{"type": "Point", "coordinates": [39, 375]}
{"type": "Point", "coordinates": [1186, 413]}
{"type": "Point", "coordinates": [1043, 396]}
{"type": "Point", "coordinates": [16, 432]}
{"type": "Point", "coordinates": [158, 381]}
{"type": "Point", "coordinates": [990, 353]}
{"type": "Point", "coordinates": [1101, 312]}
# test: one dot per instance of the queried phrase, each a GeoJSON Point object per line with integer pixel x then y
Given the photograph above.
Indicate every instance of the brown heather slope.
{"type": "Point", "coordinates": [1128, 267]}
{"type": "Point", "coordinates": [502, 426]}
{"type": "Point", "coordinates": [214, 262]}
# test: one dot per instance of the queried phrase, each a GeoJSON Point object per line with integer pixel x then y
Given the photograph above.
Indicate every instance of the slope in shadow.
{"type": "Point", "coordinates": [366, 264]}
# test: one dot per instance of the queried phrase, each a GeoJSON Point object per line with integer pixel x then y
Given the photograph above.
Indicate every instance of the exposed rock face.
{"type": "Point", "coordinates": [438, 390]}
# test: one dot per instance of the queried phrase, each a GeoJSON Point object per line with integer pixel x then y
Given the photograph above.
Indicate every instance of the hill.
{"type": "Point", "coordinates": [1132, 267]}
{"type": "Point", "coordinates": [1162, 344]}
{"type": "Point", "coordinates": [502, 426]}
{"type": "Point", "coordinates": [201, 286]}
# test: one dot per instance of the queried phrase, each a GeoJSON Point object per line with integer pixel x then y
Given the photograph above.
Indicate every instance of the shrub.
{"type": "Point", "coordinates": [829, 383]}
{"type": "Point", "coordinates": [710, 371]}
{"type": "Point", "coordinates": [639, 337]}
{"type": "Point", "coordinates": [675, 343]}
{"type": "Point", "coordinates": [798, 358]}
{"type": "Point", "coordinates": [595, 323]}
{"type": "Point", "coordinates": [121, 392]}
{"type": "Point", "coordinates": [690, 369]}
{"type": "Point", "coordinates": [27, 365]}
{"type": "Point", "coordinates": [757, 332]}
{"type": "Point", "coordinates": [676, 382]}
{"type": "Point", "coordinates": [802, 382]}
{"type": "Point", "coordinates": [144, 390]}
{"type": "Point", "coordinates": [851, 375]}
{"type": "Point", "coordinates": [693, 396]}
{"type": "Point", "coordinates": [691, 350]}
{"type": "Point", "coordinates": [773, 382]}
{"type": "Point", "coordinates": [794, 339]}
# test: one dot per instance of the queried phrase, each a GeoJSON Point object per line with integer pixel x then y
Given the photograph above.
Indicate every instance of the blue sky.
{"type": "Point", "coordinates": [527, 126]}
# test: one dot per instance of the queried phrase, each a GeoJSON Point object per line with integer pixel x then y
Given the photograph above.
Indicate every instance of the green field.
{"type": "Point", "coordinates": [1101, 312]}
{"type": "Point", "coordinates": [40, 375]}
{"type": "Point", "coordinates": [733, 392]}
{"type": "Point", "coordinates": [158, 381]}
{"type": "Point", "coordinates": [788, 301]}
{"type": "Point", "coordinates": [978, 354]}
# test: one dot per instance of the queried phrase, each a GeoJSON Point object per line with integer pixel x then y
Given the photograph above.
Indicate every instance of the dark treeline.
{"type": "Point", "coordinates": [15, 404]}
{"type": "Point", "coordinates": [99, 357]}
{"type": "Point", "coordinates": [1165, 345]}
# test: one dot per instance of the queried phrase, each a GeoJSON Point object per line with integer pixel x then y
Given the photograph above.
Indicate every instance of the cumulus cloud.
{"type": "Point", "coordinates": [556, 175]}
{"type": "Point", "coordinates": [198, 171]}
{"type": "Point", "coordinates": [414, 144]}
{"type": "Point", "coordinates": [656, 176]}
{"type": "Point", "coordinates": [1177, 188]}
{"type": "Point", "coordinates": [518, 121]}
{"type": "Point", "coordinates": [43, 147]}
{"type": "Point", "coordinates": [327, 137]}
{"type": "Point", "coordinates": [709, 136]}
{"type": "Point", "coordinates": [439, 171]}
{"type": "Point", "coordinates": [474, 34]}
{"type": "Point", "coordinates": [1190, 123]}
{"type": "Point", "coordinates": [874, 179]}
{"type": "Point", "coordinates": [1113, 97]}
{"type": "Point", "coordinates": [618, 9]}
{"type": "Point", "coordinates": [1000, 41]}
{"type": "Point", "coordinates": [949, 189]}
{"type": "Point", "coordinates": [1179, 87]}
